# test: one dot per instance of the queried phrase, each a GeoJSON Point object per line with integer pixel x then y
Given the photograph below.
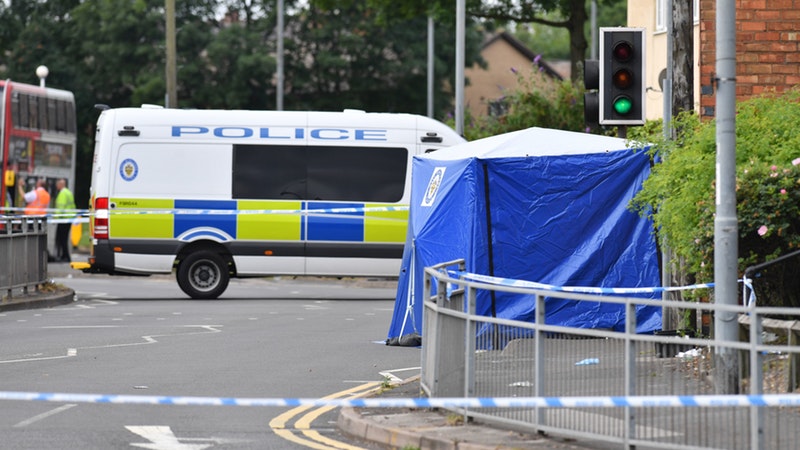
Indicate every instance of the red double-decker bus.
{"type": "Point", "coordinates": [37, 139]}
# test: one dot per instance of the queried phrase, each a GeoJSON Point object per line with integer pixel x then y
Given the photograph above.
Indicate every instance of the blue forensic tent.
{"type": "Point", "coordinates": [541, 205]}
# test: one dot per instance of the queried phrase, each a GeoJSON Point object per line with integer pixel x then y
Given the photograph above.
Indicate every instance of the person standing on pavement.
{"type": "Point", "coordinates": [37, 200]}
{"type": "Point", "coordinates": [65, 208]}
{"type": "Point", "coordinates": [10, 181]}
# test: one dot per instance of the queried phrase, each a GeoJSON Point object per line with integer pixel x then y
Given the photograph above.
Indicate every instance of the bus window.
{"type": "Point", "coordinates": [50, 154]}
{"type": "Point", "coordinates": [62, 119]}
{"type": "Point", "coordinates": [51, 114]}
{"type": "Point", "coordinates": [33, 111]}
{"type": "Point", "coordinates": [20, 111]}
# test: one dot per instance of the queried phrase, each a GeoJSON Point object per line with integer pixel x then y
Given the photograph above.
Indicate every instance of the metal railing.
{"type": "Point", "coordinates": [467, 355]}
{"type": "Point", "coordinates": [23, 254]}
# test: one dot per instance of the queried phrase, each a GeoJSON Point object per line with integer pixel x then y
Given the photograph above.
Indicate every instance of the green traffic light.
{"type": "Point", "coordinates": [622, 105]}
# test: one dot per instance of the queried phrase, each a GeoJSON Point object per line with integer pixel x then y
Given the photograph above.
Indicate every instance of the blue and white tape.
{"type": "Point", "coordinates": [667, 401]}
{"type": "Point", "coordinates": [575, 289]}
{"type": "Point", "coordinates": [51, 212]}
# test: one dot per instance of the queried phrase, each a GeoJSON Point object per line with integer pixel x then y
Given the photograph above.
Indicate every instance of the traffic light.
{"type": "Point", "coordinates": [622, 84]}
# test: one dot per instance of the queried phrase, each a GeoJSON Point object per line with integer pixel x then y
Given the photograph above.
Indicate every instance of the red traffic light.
{"type": "Point", "coordinates": [623, 51]}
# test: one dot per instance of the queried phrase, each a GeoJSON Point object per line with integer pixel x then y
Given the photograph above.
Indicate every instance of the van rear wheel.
{"type": "Point", "coordinates": [203, 275]}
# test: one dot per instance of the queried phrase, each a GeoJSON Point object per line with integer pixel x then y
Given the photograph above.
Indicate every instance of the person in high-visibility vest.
{"type": "Point", "coordinates": [10, 182]}
{"type": "Point", "coordinates": [37, 200]}
{"type": "Point", "coordinates": [65, 206]}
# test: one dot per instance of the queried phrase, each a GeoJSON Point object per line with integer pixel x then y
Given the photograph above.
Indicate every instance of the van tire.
{"type": "Point", "coordinates": [203, 275]}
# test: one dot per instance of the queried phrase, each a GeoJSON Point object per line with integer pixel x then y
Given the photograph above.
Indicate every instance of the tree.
{"type": "Point", "coordinates": [568, 14]}
{"type": "Point", "coordinates": [683, 56]}
{"type": "Point", "coordinates": [553, 42]}
{"type": "Point", "coordinates": [343, 56]}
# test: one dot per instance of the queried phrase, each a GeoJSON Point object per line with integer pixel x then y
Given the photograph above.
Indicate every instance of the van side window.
{"type": "Point", "coordinates": [360, 174]}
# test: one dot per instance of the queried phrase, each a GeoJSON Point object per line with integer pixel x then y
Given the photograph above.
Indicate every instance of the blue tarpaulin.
{"type": "Point", "coordinates": [541, 205]}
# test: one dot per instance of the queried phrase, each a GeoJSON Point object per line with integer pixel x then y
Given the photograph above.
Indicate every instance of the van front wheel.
{"type": "Point", "coordinates": [203, 275]}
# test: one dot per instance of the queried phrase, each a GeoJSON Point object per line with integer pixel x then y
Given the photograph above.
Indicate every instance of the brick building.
{"type": "Point", "coordinates": [767, 49]}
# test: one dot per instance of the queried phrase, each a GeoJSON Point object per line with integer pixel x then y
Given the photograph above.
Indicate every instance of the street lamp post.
{"type": "Point", "coordinates": [42, 72]}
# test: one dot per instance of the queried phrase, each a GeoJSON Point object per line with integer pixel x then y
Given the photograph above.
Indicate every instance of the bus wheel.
{"type": "Point", "coordinates": [203, 275]}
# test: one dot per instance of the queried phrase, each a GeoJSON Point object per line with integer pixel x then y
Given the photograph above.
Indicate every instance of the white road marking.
{"type": "Point", "coordinates": [71, 352]}
{"type": "Point", "coordinates": [44, 415]}
{"type": "Point", "coordinates": [314, 307]}
{"type": "Point", "coordinates": [162, 438]}
{"type": "Point", "coordinates": [390, 374]}
{"type": "Point", "coordinates": [44, 358]}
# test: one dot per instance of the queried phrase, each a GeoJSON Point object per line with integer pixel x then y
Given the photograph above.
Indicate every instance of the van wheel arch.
{"type": "Point", "coordinates": [204, 270]}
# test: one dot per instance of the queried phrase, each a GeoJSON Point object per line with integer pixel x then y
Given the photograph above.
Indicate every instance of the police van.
{"type": "Point", "coordinates": [212, 194]}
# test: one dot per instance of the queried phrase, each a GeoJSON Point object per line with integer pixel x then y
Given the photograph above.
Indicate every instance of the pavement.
{"type": "Point", "coordinates": [46, 295]}
{"type": "Point", "coordinates": [391, 428]}
{"type": "Point", "coordinates": [437, 429]}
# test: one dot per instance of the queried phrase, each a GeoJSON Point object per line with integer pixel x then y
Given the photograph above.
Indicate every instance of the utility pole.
{"type": "Point", "coordinates": [430, 65]}
{"type": "Point", "coordinates": [726, 230]}
{"type": "Point", "coordinates": [461, 14]}
{"type": "Point", "coordinates": [279, 75]}
{"type": "Point", "coordinates": [172, 90]}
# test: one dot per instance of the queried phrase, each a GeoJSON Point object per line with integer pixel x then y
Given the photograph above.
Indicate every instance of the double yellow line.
{"type": "Point", "coordinates": [302, 425]}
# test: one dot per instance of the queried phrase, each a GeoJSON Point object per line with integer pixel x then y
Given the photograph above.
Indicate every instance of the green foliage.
{"type": "Point", "coordinates": [680, 193]}
{"type": "Point", "coordinates": [570, 15]}
{"type": "Point", "coordinates": [344, 57]}
{"type": "Point", "coordinates": [551, 42]}
{"type": "Point", "coordinates": [553, 104]}
{"type": "Point", "coordinates": [554, 42]}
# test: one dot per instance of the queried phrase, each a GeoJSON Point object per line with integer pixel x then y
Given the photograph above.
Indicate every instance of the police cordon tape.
{"type": "Point", "coordinates": [748, 283]}
{"type": "Point", "coordinates": [704, 401]}
{"type": "Point", "coordinates": [640, 401]}
{"type": "Point", "coordinates": [575, 289]}
{"type": "Point", "coordinates": [83, 215]}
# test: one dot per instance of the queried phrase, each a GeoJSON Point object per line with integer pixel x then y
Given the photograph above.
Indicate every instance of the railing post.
{"type": "Point", "coordinates": [26, 237]}
{"type": "Point", "coordinates": [8, 245]}
{"type": "Point", "coordinates": [630, 370]}
{"type": "Point", "coordinates": [793, 379]}
{"type": "Point", "coordinates": [756, 381]}
{"type": "Point", "coordinates": [469, 347]}
{"type": "Point", "coordinates": [469, 337]}
{"type": "Point", "coordinates": [539, 357]}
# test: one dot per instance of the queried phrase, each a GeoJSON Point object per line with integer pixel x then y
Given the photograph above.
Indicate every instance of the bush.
{"type": "Point", "coordinates": [679, 196]}
{"type": "Point", "coordinates": [537, 103]}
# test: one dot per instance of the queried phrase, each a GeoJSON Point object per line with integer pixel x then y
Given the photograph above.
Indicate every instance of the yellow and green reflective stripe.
{"type": "Point", "coordinates": [126, 224]}
{"type": "Point", "coordinates": [271, 227]}
{"type": "Point", "coordinates": [384, 226]}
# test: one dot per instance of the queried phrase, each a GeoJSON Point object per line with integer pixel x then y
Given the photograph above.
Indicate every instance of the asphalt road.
{"type": "Point", "coordinates": [275, 338]}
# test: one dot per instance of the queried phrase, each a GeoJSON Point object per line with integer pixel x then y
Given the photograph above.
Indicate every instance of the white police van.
{"type": "Point", "coordinates": [214, 194]}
